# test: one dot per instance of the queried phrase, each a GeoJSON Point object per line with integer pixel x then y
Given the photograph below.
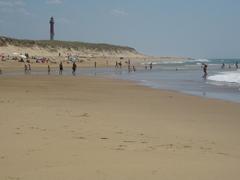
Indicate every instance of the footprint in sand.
{"type": "Point", "coordinates": [223, 154]}
{"type": "Point", "coordinates": [18, 133]}
{"type": "Point", "coordinates": [119, 149]}
{"type": "Point", "coordinates": [129, 141]}
{"type": "Point", "coordinates": [2, 157]}
{"type": "Point", "coordinates": [119, 132]}
{"type": "Point", "coordinates": [207, 149]}
{"type": "Point", "coordinates": [85, 115]}
{"type": "Point", "coordinates": [187, 147]}
{"type": "Point", "coordinates": [104, 138]}
{"type": "Point", "coordinates": [13, 178]}
{"type": "Point", "coordinates": [80, 137]}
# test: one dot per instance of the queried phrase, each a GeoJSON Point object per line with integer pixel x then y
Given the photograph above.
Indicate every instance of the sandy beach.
{"type": "Point", "coordinates": [57, 128]}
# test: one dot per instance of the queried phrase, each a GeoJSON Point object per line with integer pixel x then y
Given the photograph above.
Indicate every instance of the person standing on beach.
{"type": "Point", "coordinates": [129, 68]}
{"type": "Point", "coordinates": [150, 66]}
{"type": "Point", "coordinates": [29, 67]}
{"type": "Point", "coordinates": [120, 65]}
{"type": "Point", "coordinates": [95, 64]}
{"type": "Point", "coordinates": [74, 67]}
{"type": "Point", "coordinates": [134, 69]}
{"type": "Point", "coordinates": [49, 69]}
{"type": "Point", "coordinates": [60, 68]}
{"type": "Point", "coordinates": [25, 68]}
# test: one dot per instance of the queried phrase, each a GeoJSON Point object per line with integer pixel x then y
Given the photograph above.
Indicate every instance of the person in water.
{"type": "Point", "coordinates": [205, 70]}
{"type": "Point", "coordinates": [223, 66]}
{"type": "Point", "coordinates": [236, 64]}
{"type": "Point", "coordinates": [150, 66]}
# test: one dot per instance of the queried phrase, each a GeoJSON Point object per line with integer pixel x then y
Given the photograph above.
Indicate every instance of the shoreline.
{"type": "Point", "coordinates": [39, 71]}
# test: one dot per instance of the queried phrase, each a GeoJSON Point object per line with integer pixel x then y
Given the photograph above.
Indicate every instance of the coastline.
{"type": "Point", "coordinates": [16, 69]}
{"type": "Point", "coordinates": [84, 127]}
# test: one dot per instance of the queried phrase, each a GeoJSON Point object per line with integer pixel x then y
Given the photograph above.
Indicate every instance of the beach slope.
{"type": "Point", "coordinates": [55, 128]}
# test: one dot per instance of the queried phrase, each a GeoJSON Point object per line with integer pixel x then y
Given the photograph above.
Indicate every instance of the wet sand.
{"type": "Point", "coordinates": [55, 128]}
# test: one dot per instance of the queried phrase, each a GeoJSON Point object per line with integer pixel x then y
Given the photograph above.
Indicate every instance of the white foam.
{"type": "Point", "coordinates": [230, 77]}
{"type": "Point", "coordinates": [199, 61]}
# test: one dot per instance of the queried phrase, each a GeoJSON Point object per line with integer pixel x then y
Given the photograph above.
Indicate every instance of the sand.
{"type": "Point", "coordinates": [78, 128]}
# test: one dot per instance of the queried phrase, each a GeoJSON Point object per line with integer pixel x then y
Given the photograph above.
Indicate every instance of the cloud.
{"type": "Point", "coordinates": [118, 12]}
{"type": "Point", "coordinates": [13, 6]}
{"type": "Point", "coordinates": [11, 3]}
{"type": "Point", "coordinates": [54, 1]}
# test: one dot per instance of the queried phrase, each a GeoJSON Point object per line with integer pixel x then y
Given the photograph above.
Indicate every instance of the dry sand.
{"type": "Point", "coordinates": [79, 128]}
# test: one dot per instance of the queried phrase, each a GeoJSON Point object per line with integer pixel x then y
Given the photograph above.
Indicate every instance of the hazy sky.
{"type": "Point", "coordinates": [195, 28]}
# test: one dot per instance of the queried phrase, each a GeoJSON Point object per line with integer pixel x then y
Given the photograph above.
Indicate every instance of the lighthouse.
{"type": "Point", "coordinates": [52, 28]}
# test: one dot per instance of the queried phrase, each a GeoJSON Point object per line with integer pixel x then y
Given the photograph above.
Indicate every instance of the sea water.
{"type": "Point", "coordinates": [187, 77]}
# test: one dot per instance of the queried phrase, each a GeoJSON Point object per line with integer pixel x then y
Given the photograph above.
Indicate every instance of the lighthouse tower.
{"type": "Point", "coordinates": [52, 28]}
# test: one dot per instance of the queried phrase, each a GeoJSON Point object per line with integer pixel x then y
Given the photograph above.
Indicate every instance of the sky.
{"type": "Point", "coordinates": [189, 28]}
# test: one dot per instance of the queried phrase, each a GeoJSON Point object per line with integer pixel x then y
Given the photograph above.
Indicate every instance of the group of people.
{"type": "Point", "coordinates": [229, 66]}
{"type": "Point", "coordinates": [118, 65]}
{"type": "Point", "coordinates": [74, 68]}
{"type": "Point", "coordinates": [150, 66]}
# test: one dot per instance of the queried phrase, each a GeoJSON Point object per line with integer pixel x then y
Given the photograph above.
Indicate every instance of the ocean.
{"type": "Point", "coordinates": [187, 77]}
{"type": "Point", "coordinates": [183, 76]}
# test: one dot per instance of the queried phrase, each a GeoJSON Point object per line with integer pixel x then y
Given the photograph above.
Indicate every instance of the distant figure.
{"type": "Point", "coordinates": [120, 64]}
{"type": "Point", "coordinates": [205, 71]}
{"type": "Point", "coordinates": [60, 68]}
{"type": "Point", "coordinates": [27, 55]}
{"type": "Point", "coordinates": [223, 66]}
{"type": "Point", "coordinates": [74, 67]}
{"type": "Point", "coordinates": [29, 67]}
{"type": "Point", "coordinates": [236, 64]}
{"type": "Point", "coordinates": [134, 69]}
{"type": "Point", "coordinates": [145, 66]}
{"type": "Point", "coordinates": [95, 64]}
{"type": "Point", "coordinates": [59, 54]}
{"type": "Point", "coordinates": [25, 68]}
{"type": "Point", "coordinates": [229, 66]}
{"type": "Point", "coordinates": [150, 66]}
{"type": "Point", "coordinates": [129, 68]}
{"type": "Point", "coordinates": [0, 71]}
{"type": "Point", "coordinates": [49, 69]}
{"type": "Point", "coordinates": [116, 66]}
